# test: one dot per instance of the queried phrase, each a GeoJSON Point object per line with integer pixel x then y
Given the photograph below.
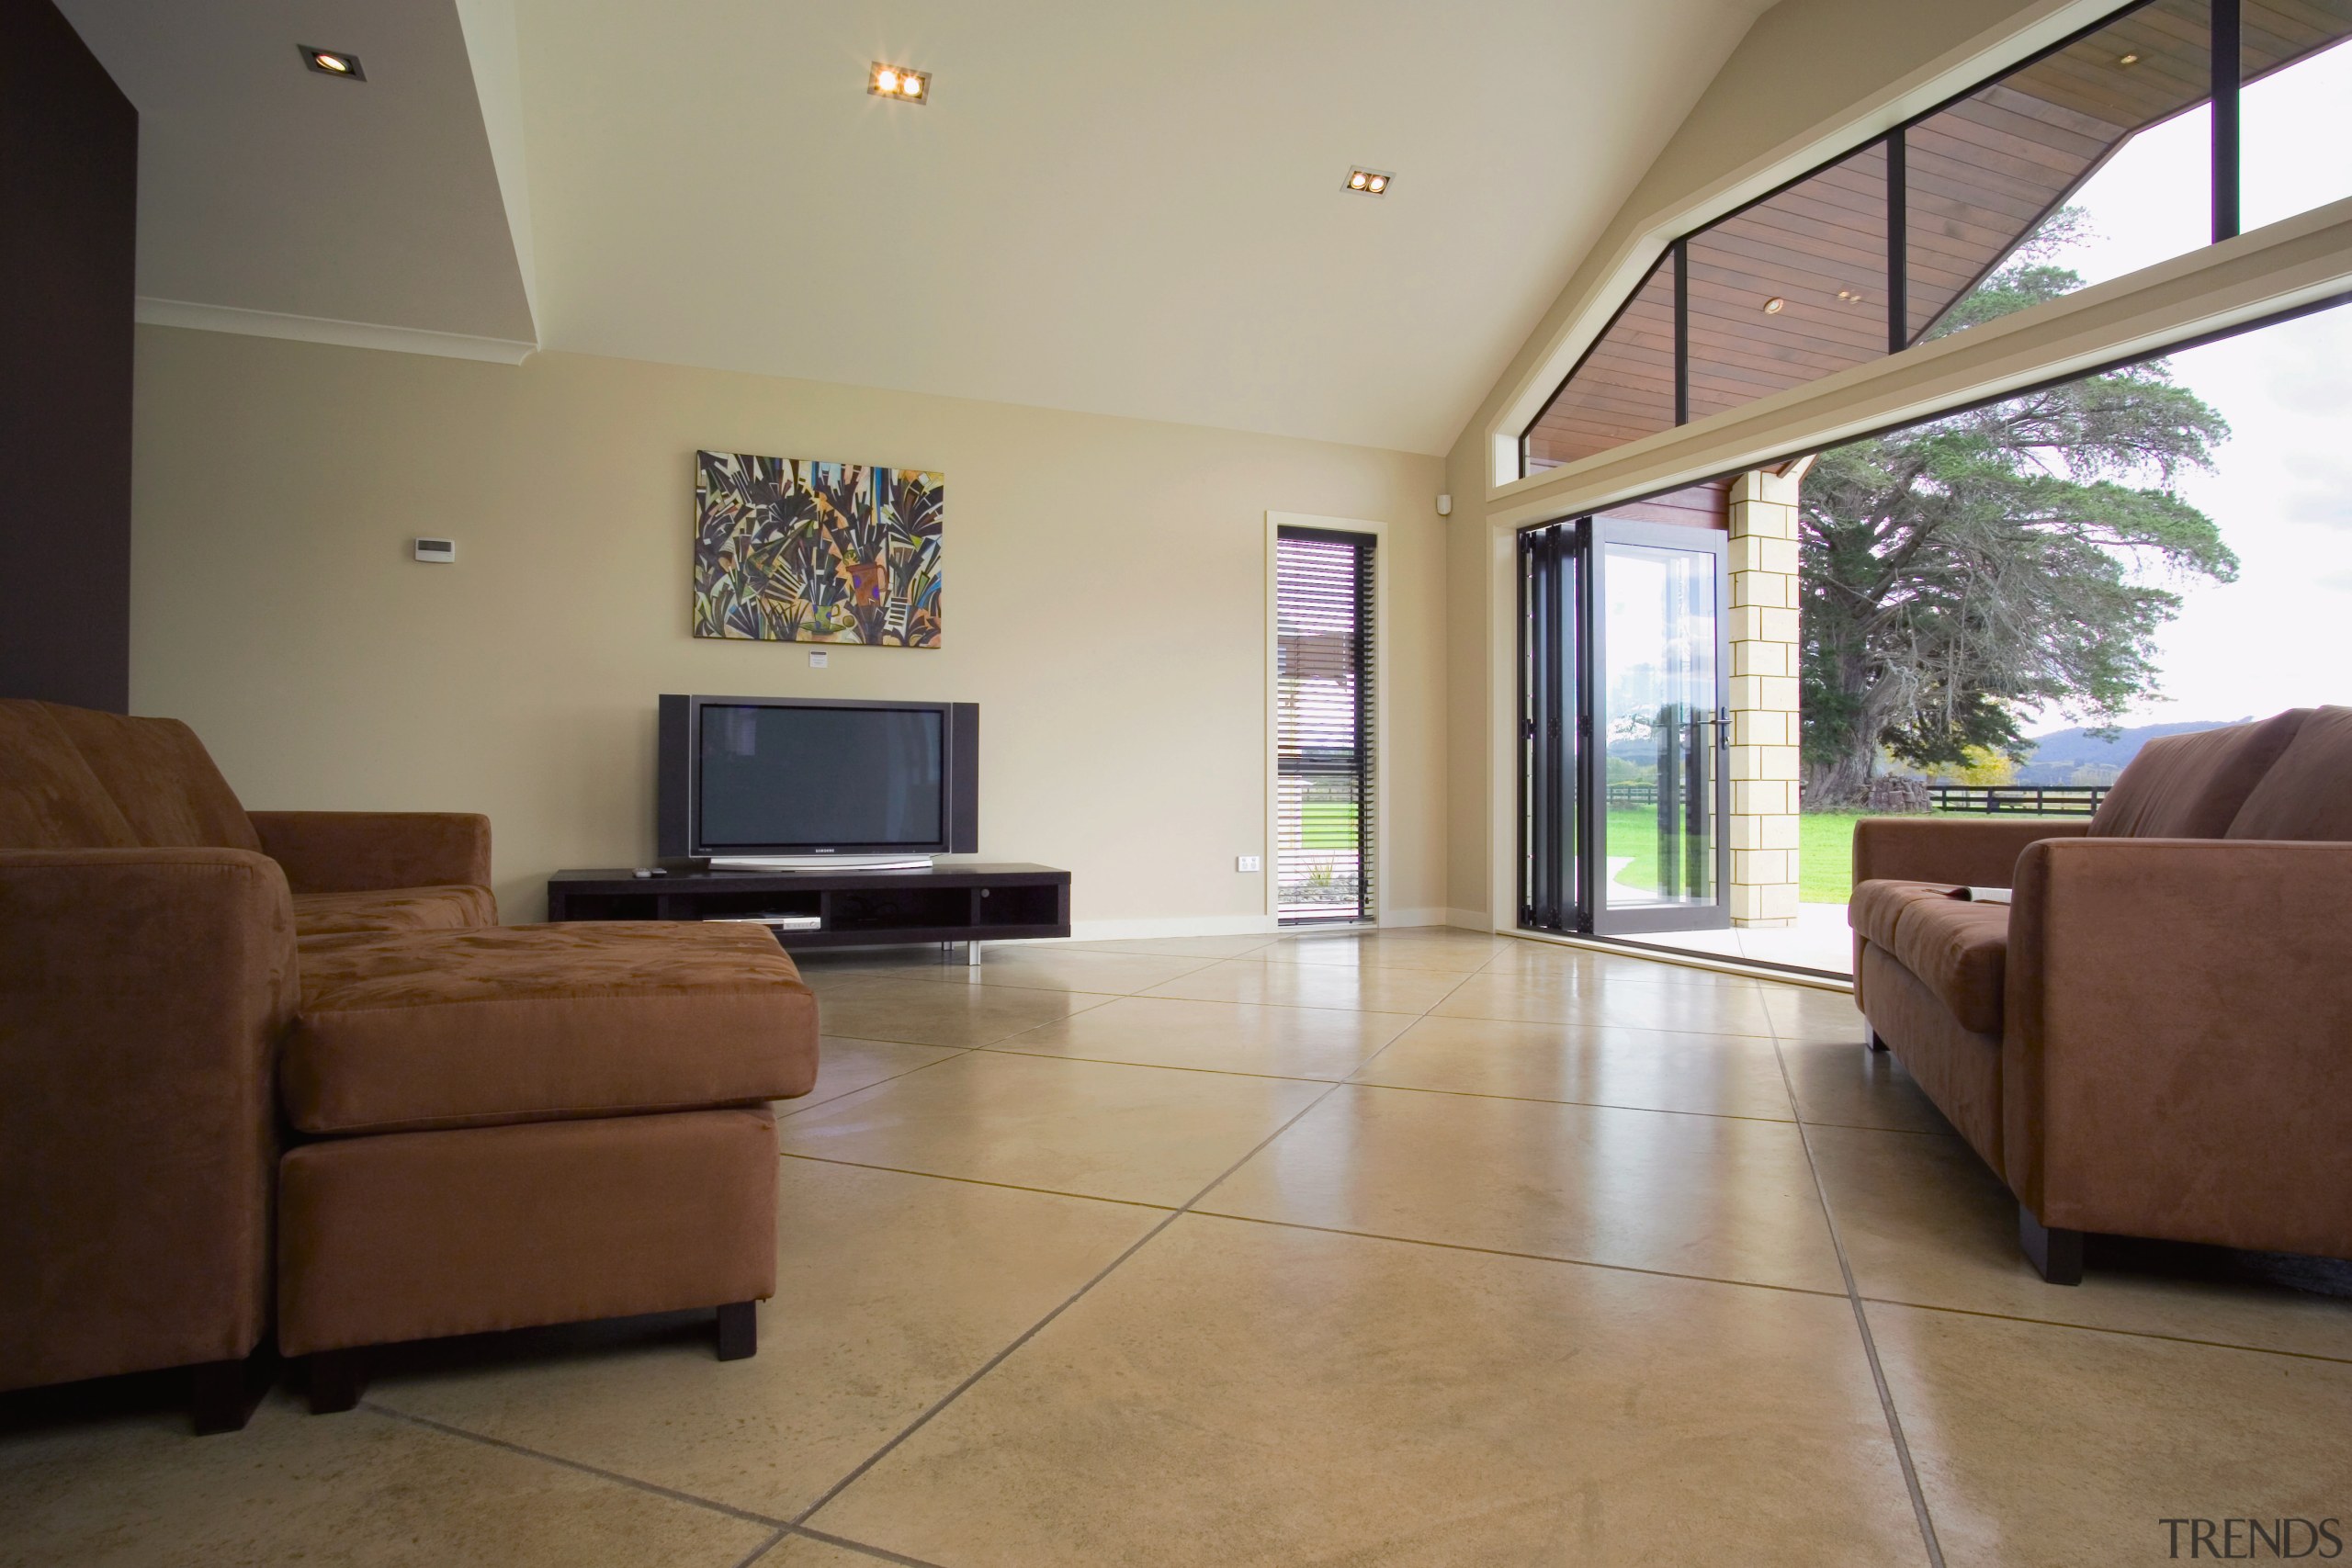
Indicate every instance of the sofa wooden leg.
{"type": "Point", "coordinates": [224, 1392]}
{"type": "Point", "coordinates": [2056, 1255]}
{"type": "Point", "coordinates": [337, 1379]}
{"type": "Point", "coordinates": [739, 1330]}
{"type": "Point", "coordinates": [1877, 1044]}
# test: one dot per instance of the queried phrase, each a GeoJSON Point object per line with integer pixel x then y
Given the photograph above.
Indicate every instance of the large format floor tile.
{"type": "Point", "coordinates": [1722, 1075]}
{"type": "Point", "coordinates": [1800, 1012]}
{"type": "Point", "coordinates": [1280, 1042]}
{"type": "Point", "coordinates": [1436, 948]}
{"type": "Point", "coordinates": [845, 1066]}
{"type": "Point", "coordinates": [1577, 997]}
{"type": "Point", "coordinates": [1714, 1195]}
{"type": "Point", "coordinates": [890, 1290]}
{"type": "Point", "coordinates": [358, 1489]}
{"type": "Point", "coordinates": [1146, 1135]}
{"type": "Point", "coordinates": [1067, 969]}
{"type": "Point", "coordinates": [2040, 1447]}
{"type": "Point", "coordinates": [1313, 986]}
{"type": "Point", "coordinates": [1924, 1222]}
{"type": "Point", "coordinates": [1251, 1394]}
{"type": "Point", "coordinates": [1171, 946]}
{"type": "Point", "coordinates": [923, 1013]}
{"type": "Point", "coordinates": [1844, 1083]}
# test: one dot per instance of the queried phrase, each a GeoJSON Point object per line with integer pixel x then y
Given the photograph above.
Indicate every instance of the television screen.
{"type": "Point", "coordinates": [821, 776]}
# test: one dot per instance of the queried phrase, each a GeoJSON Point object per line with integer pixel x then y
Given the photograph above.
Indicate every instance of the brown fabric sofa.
{"type": "Point", "coordinates": [216, 1025]}
{"type": "Point", "coordinates": [2155, 1038]}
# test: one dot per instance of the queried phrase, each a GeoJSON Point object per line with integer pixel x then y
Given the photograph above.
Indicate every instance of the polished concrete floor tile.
{"type": "Point", "coordinates": [1434, 948]}
{"type": "Point", "coordinates": [890, 1290]}
{"type": "Point", "coordinates": [1847, 1084]}
{"type": "Point", "coordinates": [358, 1489]}
{"type": "Point", "coordinates": [1536, 960]}
{"type": "Point", "coordinates": [1800, 1013]}
{"type": "Point", "coordinates": [1926, 1221]}
{"type": "Point", "coordinates": [1718, 1197]}
{"type": "Point", "coordinates": [1174, 946]}
{"type": "Point", "coordinates": [2040, 1447]}
{"type": "Point", "coordinates": [1244, 1395]}
{"type": "Point", "coordinates": [921, 1013]}
{"type": "Point", "coordinates": [1067, 969]}
{"type": "Point", "coordinates": [1313, 986]}
{"type": "Point", "coordinates": [1145, 1135]}
{"type": "Point", "coordinates": [804, 1551]}
{"type": "Point", "coordinates": [1577, 999]}
{"type": "Point", "coordinates": [1720, 1075]}
{"type": "Point", "coordinates": [1280, 1042]}
{"type": "Point", "coordinates": [845, 1066]}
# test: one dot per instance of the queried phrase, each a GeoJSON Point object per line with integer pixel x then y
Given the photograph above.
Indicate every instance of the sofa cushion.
{"type": "Point", "coordinates": [1877, 906]}
{"type": "Point", "coordinates": [162, 780]}
{"type": "Point", "coordinates": [2192, 786]}
{"type": "Point", "coordinates": [529, 1023]}
{"type": "Point", "coordinates": [49, 797]}
{"type": "Point", "coordinates": [2307, 794]}
{"type": "Point", "coordinates": [393, 910]}
{"type": "Point", "coordinates": [1957, 948]}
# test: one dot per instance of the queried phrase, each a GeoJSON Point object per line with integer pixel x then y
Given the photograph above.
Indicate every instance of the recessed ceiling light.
{"type": "Point", "coordinates": [1369, 182]}
{"type": "Point", "coordinates": [2129, 59]}
{"type": "Point", "coordinates": [900, 82]}
{"type": "Point", "coordinates": [332, 62]}
{"type": "Point", "coordinates": [1775, 305]}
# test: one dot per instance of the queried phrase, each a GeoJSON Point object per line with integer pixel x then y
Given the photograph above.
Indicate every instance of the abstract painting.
{"type": "Point", "coordinates": [792, 550]}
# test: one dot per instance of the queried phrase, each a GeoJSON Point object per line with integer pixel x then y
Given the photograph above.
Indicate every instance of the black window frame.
{"type": "Point", "coordinates": [2225, 87]}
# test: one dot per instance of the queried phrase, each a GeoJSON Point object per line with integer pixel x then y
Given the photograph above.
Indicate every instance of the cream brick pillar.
{"type": "Point", "coordinates": [1764, 697]}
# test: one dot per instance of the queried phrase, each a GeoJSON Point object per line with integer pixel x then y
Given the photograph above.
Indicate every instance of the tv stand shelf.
{"type": "Point", "coordinates": [950, 902]}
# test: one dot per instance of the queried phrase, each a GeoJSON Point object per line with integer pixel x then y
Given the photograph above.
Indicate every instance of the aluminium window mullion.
{"type": "Point", "coordinates": [2225, 66]}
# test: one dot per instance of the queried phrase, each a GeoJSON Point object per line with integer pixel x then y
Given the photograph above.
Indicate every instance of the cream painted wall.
{"type": "Point", "coordinates": [1104, 605]}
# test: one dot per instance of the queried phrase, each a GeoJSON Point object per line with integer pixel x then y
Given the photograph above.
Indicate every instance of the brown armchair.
{"type": "Point", "coordinates": [2154, 1039]}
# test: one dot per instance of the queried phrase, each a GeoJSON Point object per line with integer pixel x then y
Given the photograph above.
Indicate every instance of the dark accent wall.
{"type": "Point", "coordinates": [69, 187]}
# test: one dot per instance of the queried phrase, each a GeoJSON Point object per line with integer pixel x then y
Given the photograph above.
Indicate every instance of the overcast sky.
{"type": "Point", "coordinates": [2282, 492]}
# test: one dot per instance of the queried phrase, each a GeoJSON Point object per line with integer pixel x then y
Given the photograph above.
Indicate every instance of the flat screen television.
{"type": "Point", "coordinates": [790, 782]}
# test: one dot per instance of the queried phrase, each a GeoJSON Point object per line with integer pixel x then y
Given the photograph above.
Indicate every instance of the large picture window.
{"type": "Point", "coordinates": [1870, 253]}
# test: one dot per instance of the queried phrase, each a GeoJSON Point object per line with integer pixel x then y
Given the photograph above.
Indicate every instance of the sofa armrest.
{"type": "Point", "coordinates": [1982, 852]}
{"type": "Point", "coordinates": [2178, 1056]}
{"type": "Point", "coordinates": [143, 997]}
{"type": "Point", "coordinates": [363, 852]}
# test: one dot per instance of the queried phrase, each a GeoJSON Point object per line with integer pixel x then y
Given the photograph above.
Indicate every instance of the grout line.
{"type": "Point", "coordinates": [672, 1492]}
{"type": "Point", "coordinates": [1583, 1104]}
{"type": "Point", "coordinates": [1919, 1509]}
{"type": "Point", "coordinates": [799, 1106]}
{"type": "Point", "coordinates": [846, 1544]}
{"type": "Point", "coordinates": [2101, 1328]}
{"type": "Point", "coordinates": [976, 1181]}
{"type": "Point", "coordinates": [924, 1419]}
{"type": "Point", "coordinates": [774, 1537]}
{"type": "Point", "coordinates": [1530, 1256]}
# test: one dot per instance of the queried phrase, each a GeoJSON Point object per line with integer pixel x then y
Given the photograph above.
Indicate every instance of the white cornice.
{"type": "Point", "coordinates": [320, 328]}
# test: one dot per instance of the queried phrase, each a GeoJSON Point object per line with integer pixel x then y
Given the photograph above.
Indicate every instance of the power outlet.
{"type": "Point", "coordinates": [1247, 863]}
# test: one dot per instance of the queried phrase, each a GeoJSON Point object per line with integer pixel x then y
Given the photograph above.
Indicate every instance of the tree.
{"type": "Point", "coordinates": [2017, 555]}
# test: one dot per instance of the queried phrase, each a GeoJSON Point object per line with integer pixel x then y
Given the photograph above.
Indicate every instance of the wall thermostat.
{"type": "Point", "coordinates": [436, 549]}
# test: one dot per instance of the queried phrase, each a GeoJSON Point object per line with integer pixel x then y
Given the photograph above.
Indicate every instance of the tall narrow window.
{"type": "Point", "coordinates": [1323, 724]}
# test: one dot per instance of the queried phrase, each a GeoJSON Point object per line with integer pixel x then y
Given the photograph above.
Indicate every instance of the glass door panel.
{"type": "Point", "coordinates": [1657, 696]}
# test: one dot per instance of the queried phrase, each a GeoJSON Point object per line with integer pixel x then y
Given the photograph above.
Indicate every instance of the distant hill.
{"type": "Point", "coordinates": [2071, 756]}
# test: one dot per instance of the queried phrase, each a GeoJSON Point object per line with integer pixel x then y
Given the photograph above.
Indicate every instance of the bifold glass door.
{"type": "Point", "coordinates": [1623, 687]}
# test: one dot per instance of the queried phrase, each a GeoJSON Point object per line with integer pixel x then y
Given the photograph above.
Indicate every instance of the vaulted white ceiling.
{"type": "Point", "coordinates": [1125, 209]}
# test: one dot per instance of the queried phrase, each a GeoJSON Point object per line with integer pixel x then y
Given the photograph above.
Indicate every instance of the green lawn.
{"type": "Point", "coordinates": [1824, 852]}
{"type": "Point", "coordinates": [1826, 856]}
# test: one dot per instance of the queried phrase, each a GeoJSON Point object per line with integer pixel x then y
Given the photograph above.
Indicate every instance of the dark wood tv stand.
{"type": "Point", "coordinates": [954, 901]}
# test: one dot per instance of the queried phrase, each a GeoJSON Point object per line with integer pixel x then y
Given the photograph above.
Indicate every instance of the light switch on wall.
{"type": "Point", "coordinates": [1245, 863]}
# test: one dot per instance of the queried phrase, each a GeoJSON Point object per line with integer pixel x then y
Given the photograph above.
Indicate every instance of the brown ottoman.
{"type": "Point", "coordinates": [519, 1125]}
